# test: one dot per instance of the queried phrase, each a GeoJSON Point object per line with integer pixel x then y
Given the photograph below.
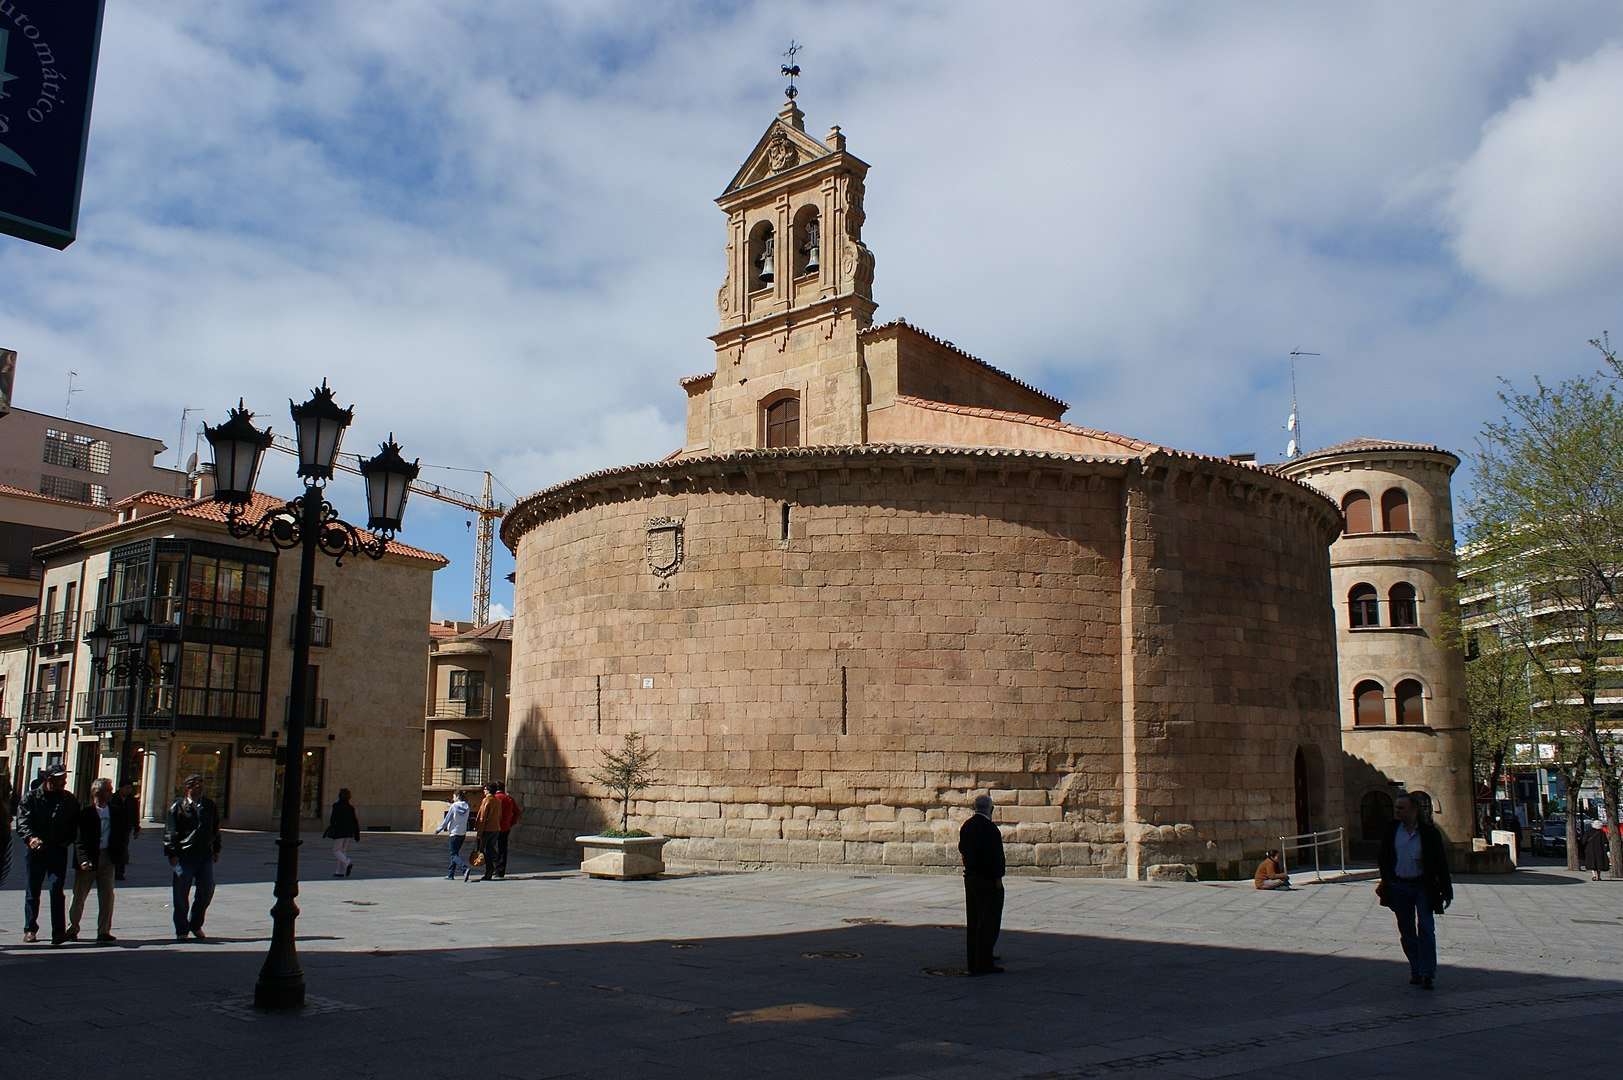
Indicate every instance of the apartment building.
{"type": "Point", "coordinates": [220, 710]}
{"type": "Point", "coordinates": [81, 462]}
{"type": "Point", "coordinates": [465, 730]}
{"type": "Point", "coordinates": [27, 520]}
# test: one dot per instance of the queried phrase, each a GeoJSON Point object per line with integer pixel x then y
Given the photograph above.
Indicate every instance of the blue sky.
{"type": "Point", "coordinates": [491, 227]}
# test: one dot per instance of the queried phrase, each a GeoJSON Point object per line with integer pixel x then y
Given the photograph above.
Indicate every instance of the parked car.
{"type": "Point", "coordinates": [1551, 837]}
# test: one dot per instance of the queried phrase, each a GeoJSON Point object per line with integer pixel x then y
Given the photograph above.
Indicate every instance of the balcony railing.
{"type": "Point", "coordinates": [108, 709]}
{"type": "Point", "coordinates": [320, 630]}
{"type": "Point", "coordinates": [31, 570]}
{"type": "Point", "coordinates": [314, 717]}
{"type": "Point", "coordinates": [454, 778]}
{"type": "Point", "coordinates": [475, 707]}
{"type": "Point", "coordinates": [57, 627]}
{"type": "Point", "coordinates": [43, 707]}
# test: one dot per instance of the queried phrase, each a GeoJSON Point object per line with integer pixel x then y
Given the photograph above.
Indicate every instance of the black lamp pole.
{"type": "Point", "coordinates": [133, 670]}
{"type": "Point", "coordinates": [310, 524]}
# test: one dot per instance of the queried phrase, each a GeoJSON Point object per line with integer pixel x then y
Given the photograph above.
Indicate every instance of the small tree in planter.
{"type": "Point", "coordinates": [625, 852]}
{"type": "Point", "coordinates": [626, 773]}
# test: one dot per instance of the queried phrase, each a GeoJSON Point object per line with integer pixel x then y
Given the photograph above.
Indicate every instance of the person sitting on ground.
{"type": "Point", "coordinates": [1269, 875]}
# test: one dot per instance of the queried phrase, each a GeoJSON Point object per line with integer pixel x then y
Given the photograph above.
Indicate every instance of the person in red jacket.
{"type": "Point", "coordinates": [511, 812]}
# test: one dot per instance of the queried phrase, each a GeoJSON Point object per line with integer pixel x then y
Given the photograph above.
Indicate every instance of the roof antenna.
{"type": "Point", "coordinates": [1293, 423]}
{"type": "Point", "coordinates": [67, 406]}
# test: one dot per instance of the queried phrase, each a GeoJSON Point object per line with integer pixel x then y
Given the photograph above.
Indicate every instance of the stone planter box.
{"type": "Point", "coordinates": [623, 858]}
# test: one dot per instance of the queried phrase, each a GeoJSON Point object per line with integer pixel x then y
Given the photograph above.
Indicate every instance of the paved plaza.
{"type": "Point", "coordinates": [549, 974]}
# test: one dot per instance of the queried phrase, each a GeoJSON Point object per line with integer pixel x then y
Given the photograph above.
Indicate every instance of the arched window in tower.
{"type": "Point", "coordinates": [1363, 606]}
{"type": "Point", "coordinates": [808, 241]}
{"type": "Point", "coordinates": [1401, 605]}
{"type": "Point", "coordinates": [1356, 509]}
{"type": "Point", "coordinates": [783, 422]}
{"type": "Point", "coordinates": [1369, 704]}
{"type": "Point", "coordinates": [1395, 510]}
{"type": "Point", "coordinates": [763, 256]}
{"type": "Point", "coordinates": [1410, 698]}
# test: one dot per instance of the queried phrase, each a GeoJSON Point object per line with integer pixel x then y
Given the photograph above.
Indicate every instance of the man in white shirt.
{"type": "Point", "coordinates": [96, 861]}
{"type": "Point", "coordinates": [455, 823]}
{"type": "Point", "coordinates": [1415, 884]}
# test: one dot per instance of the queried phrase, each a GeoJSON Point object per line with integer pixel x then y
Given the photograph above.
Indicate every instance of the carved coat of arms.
{"type": "Point", "coordinates": [664, 546]}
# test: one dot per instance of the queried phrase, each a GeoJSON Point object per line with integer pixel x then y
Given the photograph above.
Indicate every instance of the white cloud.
{"type": "Point", "coordinates": [1538, 207]}
{"type": "Point", "coordinates": [494, 231]}
{"type": "Point", "coordinates": [498, 612]}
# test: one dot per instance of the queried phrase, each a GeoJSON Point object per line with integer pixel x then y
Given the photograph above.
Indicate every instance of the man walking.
{"type": "Point", "coordinates": [1416, 886]}
{"type": "Point", "coordinates": [129, 811]}
{"type": "Point", "coordinates": [103, 844]}
{"type": "Point", "coordinates": [191, 839]}
{"type": "Point", "coordinates": [981, 846]}
{"type": "Point", "coordinates": [511, 812]}
{"type": "Point", "coordinates": [47, 824]}
{"type": "Point", "coordinates": [488, 820]}
{"type": "Point", "coordinates": [455, 822]}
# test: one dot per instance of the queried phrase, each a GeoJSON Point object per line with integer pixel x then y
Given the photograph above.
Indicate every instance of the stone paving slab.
{"type": "Point", "coordinates": [549, 974]}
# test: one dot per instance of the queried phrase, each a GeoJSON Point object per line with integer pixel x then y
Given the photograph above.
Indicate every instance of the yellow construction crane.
{"type": "Point", "coordinates": [484, 505]}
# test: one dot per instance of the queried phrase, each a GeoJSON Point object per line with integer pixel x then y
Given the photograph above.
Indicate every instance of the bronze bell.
{"type": "Point", "coordinates": [763, 261]}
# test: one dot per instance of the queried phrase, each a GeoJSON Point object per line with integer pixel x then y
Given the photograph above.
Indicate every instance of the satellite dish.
{"type": "Point", "coordinates": [191, 463]}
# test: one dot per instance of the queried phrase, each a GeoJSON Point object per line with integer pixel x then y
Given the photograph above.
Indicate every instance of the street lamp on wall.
{"type": "Point", "coordinates": [310, 524]}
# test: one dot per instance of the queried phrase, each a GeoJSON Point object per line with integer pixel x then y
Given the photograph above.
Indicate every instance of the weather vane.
{"type": "Point", "coordinates": [792, 69]}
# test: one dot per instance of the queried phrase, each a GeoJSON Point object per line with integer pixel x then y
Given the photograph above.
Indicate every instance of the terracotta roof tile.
{"type": "Point", "coordinates": [1136, 445]}
{"type": "Point", "coordinates": [500, 630]}
{"type": "Point", "coordinates": [1366, 444]}
{"type": "Point", "coordinates": [689, 380]}
{"type": "Point", "coordinates": [211, 510]}
{"type": "Point", "coordinates": [905, 325]}
{"type": "Point", "coordinates": [24, 493]}
{"type": "Point", "coordinates": [18, 621]}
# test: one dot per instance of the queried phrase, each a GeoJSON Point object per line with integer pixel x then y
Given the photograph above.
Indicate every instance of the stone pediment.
{"type": "Point", "coordinates": [781, 148]}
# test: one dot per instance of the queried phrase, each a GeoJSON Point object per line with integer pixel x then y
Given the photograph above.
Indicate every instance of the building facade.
{"type": "Point", "coordinates": [883, 576]}
{"type": "Point", "coordinates": [1401, 689]}
{"type": "Point", "coordinates": [27, 520]}
{"type": "Point", "coordinates": [16, 649]}
{"type": "Point", "coordinates": [81, 462]}
{"type": "Point", "coordinates": [465, 730]}
{"type": "Point", "coordinates": [221, 709]}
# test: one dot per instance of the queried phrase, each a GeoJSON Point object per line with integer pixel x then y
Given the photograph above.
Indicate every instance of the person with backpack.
{"type": "Point", "coordinates": [455, 823]}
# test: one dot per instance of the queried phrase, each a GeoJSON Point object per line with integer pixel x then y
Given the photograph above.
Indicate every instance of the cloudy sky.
{"type": "Point", "coordinates": [490, 225]}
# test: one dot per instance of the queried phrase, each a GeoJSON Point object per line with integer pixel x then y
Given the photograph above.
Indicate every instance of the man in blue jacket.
{"type": "Point", "coordinates": [981, 846]}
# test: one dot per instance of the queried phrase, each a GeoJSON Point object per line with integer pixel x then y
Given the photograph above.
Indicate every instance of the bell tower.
{"type": "Point", "coordinates": [798, 287]}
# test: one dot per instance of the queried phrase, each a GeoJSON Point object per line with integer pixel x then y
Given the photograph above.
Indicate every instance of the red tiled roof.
{"type": "Point", "coordinates": [1365, 444]}
{"type": "Point", "coordinates": [500, 630]}
{"type": "Point", "coordinates": [439, 631]}
{"type": "Point", "coordinates": [24, 493]}
{"type": "Point", "coordinates": [211, 510]}
{"type": "Point", "coordinates": [18, 621]}
{"type": "Point", "coordinates": [999, 372]}
{"type": "Point", "coordinates": [1127, 441]}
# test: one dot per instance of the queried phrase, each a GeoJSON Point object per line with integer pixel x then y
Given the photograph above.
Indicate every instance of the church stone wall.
{"type": "Point", "coordinates": [929, 630]}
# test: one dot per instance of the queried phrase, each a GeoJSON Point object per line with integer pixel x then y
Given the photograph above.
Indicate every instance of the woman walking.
{"type": "Point", "coordinates": [455, 822]}
{"type": "Point", "coordinates": [343, 829]}
{"type": "Point", "coordinates": [1596, 857]}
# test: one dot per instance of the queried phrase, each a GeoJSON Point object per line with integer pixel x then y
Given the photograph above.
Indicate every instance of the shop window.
{"type": "Point", "coordinates": [1370, 704]}
{"type": "Point", "coordinates": [310, 781]}
{"type": "Point", "coordinates": [211, 761]}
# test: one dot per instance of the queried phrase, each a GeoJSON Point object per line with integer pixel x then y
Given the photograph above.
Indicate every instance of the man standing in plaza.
{"type": "Point", "coordinates": [511, 812]}
{"type": "Point", "coordinates": [129, 811]}
{"type": "Point", "coordinates": [981, 846]}
{"type": "Point", "coordinates": [104, 835]}
{"type": "Point", "coordinates": [47, 824]}
{"type": "Point", "coordinates": [1416, 886]}
{"type": "Point", "coordinates": [191, 839]}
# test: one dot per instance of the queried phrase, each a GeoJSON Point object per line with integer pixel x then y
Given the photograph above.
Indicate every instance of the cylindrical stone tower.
{"type": "Point", "coordinates": [1402, 687]}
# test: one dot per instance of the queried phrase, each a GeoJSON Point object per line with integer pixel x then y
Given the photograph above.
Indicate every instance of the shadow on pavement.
{"type": "Point", "coordinates": [860, 1001]}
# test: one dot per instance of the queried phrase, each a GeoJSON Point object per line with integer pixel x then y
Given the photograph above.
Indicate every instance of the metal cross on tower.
{"type": "Point", "coordinates": [792, 69]}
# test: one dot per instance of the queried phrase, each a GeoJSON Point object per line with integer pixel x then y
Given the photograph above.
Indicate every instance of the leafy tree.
{"type": "Point", "coordinates": [1498, 702]}
{"type": "Point", "coordinates": [1547, 529]}
{"type": "Point", "coordinates": [626, 772]}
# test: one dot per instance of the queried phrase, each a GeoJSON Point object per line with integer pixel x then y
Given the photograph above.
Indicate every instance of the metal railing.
{"type": "Point", "coordinates": [1317, 841]}
{"type": "Point", "coordinates": [57, 627]}
{"type": "Point", "coordinates": [454, 778]}
{"type": "Point", "coordinates": [320, 630]}
{"type": "Point", "coordinates": [475, 707]}
{"type": "Point", "coordinates": [113, 702]}
{"type": "Point", "coordinates": [46, 707]}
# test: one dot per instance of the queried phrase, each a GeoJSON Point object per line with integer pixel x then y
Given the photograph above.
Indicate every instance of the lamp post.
{"type": "Point", "coordinates": [133, 670]}
{"type": "Point", "coordinates": [310, 524]}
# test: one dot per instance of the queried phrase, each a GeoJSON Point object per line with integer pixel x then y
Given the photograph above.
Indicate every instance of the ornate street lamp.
{"type": "Point", "coordinates": [133, 671]}
{"type": "Point", "coordinates": [310, 524]}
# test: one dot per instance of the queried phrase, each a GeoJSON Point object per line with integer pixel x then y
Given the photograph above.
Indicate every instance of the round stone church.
{"type": "Point", "coordinates": [883, 576]}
